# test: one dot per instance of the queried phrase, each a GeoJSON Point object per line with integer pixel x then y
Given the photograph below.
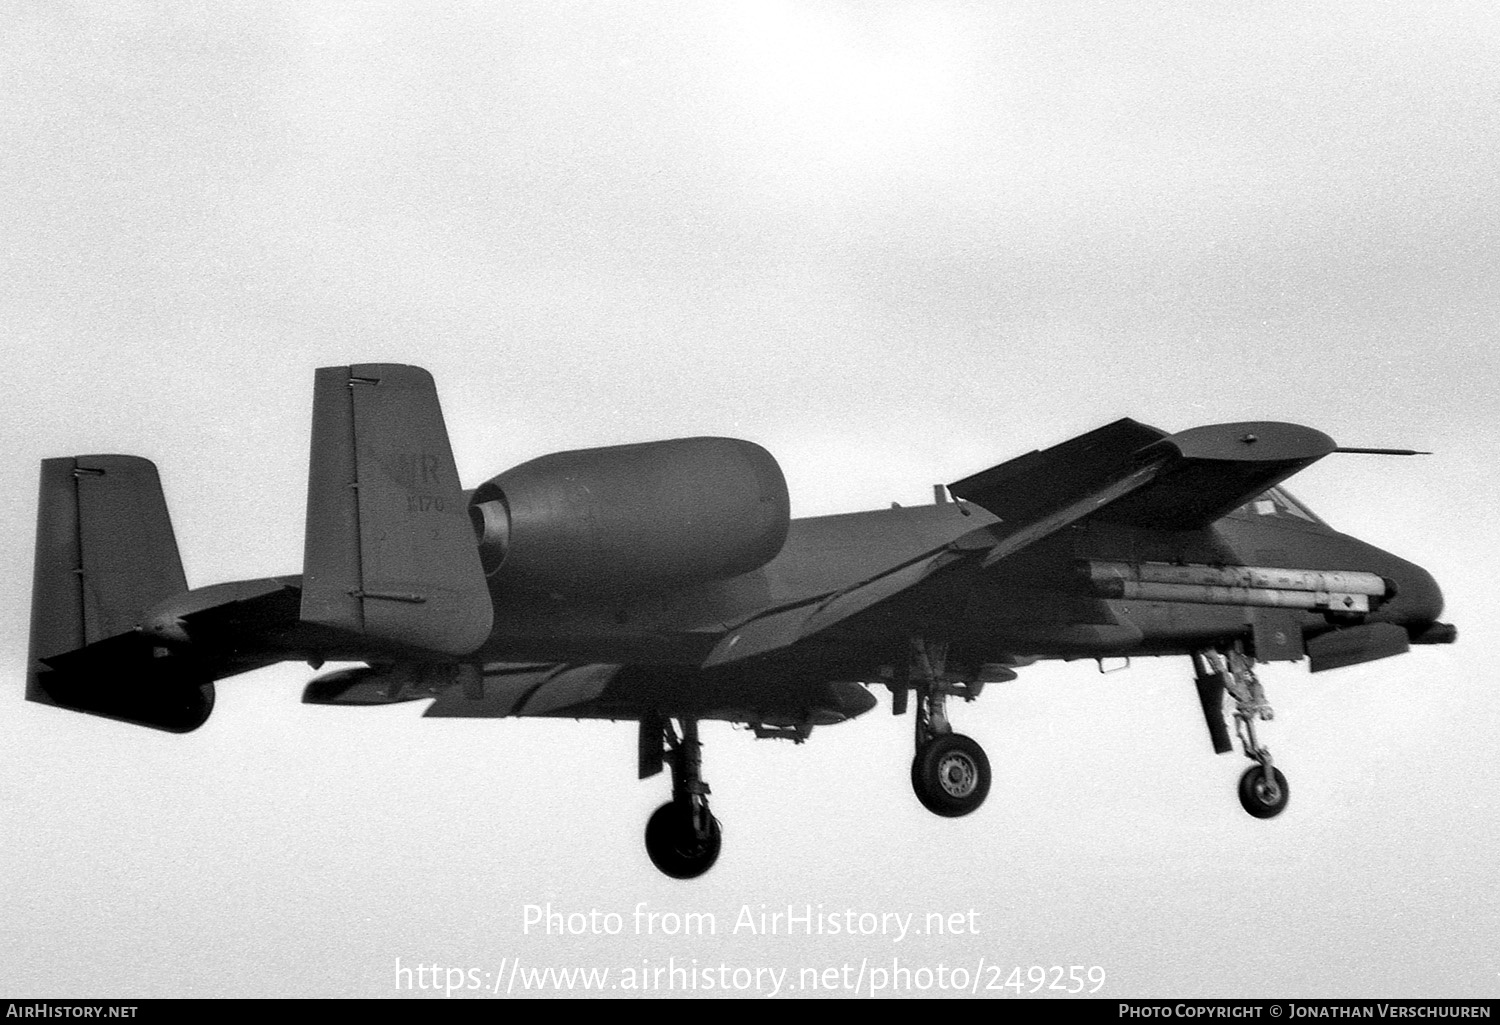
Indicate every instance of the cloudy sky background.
{"type": "Point", "coordinates": [894, 243]}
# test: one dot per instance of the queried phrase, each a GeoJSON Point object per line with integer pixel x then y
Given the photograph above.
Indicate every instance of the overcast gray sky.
{"type": "Point", "coordinates": [894, 243]}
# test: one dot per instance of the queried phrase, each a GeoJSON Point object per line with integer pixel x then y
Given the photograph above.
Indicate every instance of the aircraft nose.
{"type": "Point", "coordinates": [1418, 601]}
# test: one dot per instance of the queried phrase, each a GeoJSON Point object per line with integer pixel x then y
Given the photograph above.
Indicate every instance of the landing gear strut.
{"type": "Point", "coordinates": [682, 836]}
{"type": "Point", "coordinates": [1263, 788]}
{"type": "Point", "coordinates": [950, 772]}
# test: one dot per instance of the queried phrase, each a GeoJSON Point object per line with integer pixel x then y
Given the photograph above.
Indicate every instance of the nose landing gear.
{"type": "Point", "coordinates": [1263, 788]}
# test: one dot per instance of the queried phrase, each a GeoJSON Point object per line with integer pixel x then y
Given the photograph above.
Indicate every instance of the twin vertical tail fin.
{"type": "Point", "coordinates": [391, 565]}
{"type": "Point", "coordinates": [390, 553]}
{"type": "Point", "coordinates": [105, 553]}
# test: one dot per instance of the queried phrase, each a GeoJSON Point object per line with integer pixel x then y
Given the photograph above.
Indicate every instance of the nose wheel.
{"type": "Point", "coordinates": [1264, 794]}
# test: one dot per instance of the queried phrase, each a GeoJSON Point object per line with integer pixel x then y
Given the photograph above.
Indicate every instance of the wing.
{"type": "Point", "coordinates": [1124, 472]}
{"type": "Point", "coordinates": [1129, 473]}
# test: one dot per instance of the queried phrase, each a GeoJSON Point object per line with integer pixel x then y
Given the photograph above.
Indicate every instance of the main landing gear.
{"type": "Point", "coordinates": [682, 836]}
{"type": "Point", "coordinates": [949, 773]}
{"type": "Point", "coordinates": [1263, 787]}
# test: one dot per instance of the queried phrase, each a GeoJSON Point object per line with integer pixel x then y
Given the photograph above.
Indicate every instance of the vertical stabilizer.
{"type": "Point", "coordinates": [105, 551]}
{"type": "Point", "coordinates": [390, 553]}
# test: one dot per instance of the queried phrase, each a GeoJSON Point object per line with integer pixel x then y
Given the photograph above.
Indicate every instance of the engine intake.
{"type": "Point", "coordinates": [632, 517]}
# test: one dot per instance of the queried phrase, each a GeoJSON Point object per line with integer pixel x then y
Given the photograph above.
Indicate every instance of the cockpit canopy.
{"type": "Point", "coordinates": [1276, 502]}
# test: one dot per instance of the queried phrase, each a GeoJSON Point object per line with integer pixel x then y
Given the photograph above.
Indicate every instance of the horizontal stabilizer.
{"type": "Point", "coordinates": [390, 553]}
{"type": "Point", "coordinates": [125, 677]}
{"type": "Point", "coordinates": [238, 608]}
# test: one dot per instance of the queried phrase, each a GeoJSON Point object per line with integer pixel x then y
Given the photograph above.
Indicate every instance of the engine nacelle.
{"type": "Point", "coordinates": [632, 517]}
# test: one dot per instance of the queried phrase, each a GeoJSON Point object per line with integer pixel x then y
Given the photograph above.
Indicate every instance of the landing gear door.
{"type": "Point", "coordinates": [1276, 635]}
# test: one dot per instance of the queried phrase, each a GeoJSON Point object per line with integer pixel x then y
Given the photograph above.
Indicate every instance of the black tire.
{"type": "Point", "coordinates": [950, 775]}
{"type": "Point", "coordinates": [674, 846]}
{"type": "Point", "coordinates": [1262, 798]}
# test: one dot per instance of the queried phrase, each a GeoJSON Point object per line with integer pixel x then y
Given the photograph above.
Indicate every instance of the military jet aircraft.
{"type": "Point", "coordinates": [665, 583]}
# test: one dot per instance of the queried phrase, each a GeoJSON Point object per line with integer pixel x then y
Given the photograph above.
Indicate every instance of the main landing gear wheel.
{"type": "Point", "coordinates": [1263, 797]}
{"type": "Point", "coordinates": [951, 775]}
{"type": "Point", "coordinates": [682, 836]}
{"type": "Point", "coordinates": [675, 844]}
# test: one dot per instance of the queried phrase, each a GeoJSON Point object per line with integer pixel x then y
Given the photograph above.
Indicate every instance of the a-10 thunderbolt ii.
{"type": "Point", "coordinates": [665, 583]}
